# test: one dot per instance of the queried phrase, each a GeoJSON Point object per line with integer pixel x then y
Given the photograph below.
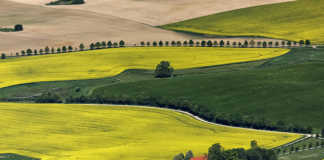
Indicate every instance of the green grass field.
{"type": "Point", "coordinates": [110, 62]}
{"type": "Point", "coordinates": [317, 154]}
{"type": "Point", "coordinates": [69, 132]}
{"type": "Point", "coordinates": [301, 19]}
{"type": "Point", "coordinates": [287, 88]}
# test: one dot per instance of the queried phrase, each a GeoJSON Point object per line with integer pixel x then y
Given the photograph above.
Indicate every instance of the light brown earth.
{"type": "Point", "coordinates": [98, 20]}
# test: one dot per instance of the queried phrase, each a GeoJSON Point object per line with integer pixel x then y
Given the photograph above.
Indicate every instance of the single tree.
{"type": "Point", "coordinates": [64, 49]}
{"type": "Point", "coordinates": [148, 44]}
{"type": "Point", "coordinates": [81, 47]}
{"type": "Point", "coordinates": [283, 43]}
{"type": "Point", "coordinates": [254, 144]}
{"type": "Point", "coordinates": [203, 43]}
{"type": "Point", "coordinates": [252, 43]}
{"type": "Point", "coordinates": [35, 52]}
{"type": "Point", "coordinates": [17, 54]}
{"type": "Point", "coordinates": [163, 70]}
{"type": "Point", "coordinates": [3, 56]}
{"type": "Point", "coordinates": [179, 44]}
{"type": "Point", "coordinates": [215, 44]}
{"type": "Point", "coordinates": [52, 50]}
{"type": "Point", "coordinates": [234, 44]}
{"type": "Point", "coordinates": [188, 155]}
{"type": "Point", "coordinates": [322, 133]}
{"type": "Point", "coordinates": [259, 44]}
{"type": "Point", "coordinates": [70, 48]}
{"type": "Point", "coordinates": [167, 43]}
{"type": "Point", "coordinates": [47, 50]}
{"type": "Point", "coordinates": [215, 152]}
{"type": "Point", "coordinates": [191, 43]}
{"type": "Point", "coordinates": [104, 44]}
{"type": "Point", "coordinates": [209, 43]}
{"type": "Point", "coordinates": [41, 51]}
{"type": "Point", "coordinates": [179, 157]}
{"type": "Point", "coordinates": [29, 52]}
{"type": "Point", "coordinates": [310, 145]}
{"type": "Point", "coordinates": [289, 43]}
{"type": "Point", "coordinates": [246, 43]}
{"type": "Point", "coordinates": [121, 43]}
{"type": "Point", "coordinates": [98, 45]}
{"type": "Point", "coordinates": [115, 44]}
{"type": "Point", "coordinates": [154, 43]}
{"type": "Point", "coordinates": [92, 46]}
{"type": "Point", "coordinates": [301, 42]}
{"type": "Point", "coordinates": [264, 44]}
{"type": "Point", "coordinates": [307, 42]}
{"type": "Point", "coordinates": [277, 44]}
{"type": "Point", "coordinates": [19, 27]}
{"type": "Point", "coordinates": [221, 43]}
{"type": "Point", "coordinates": [270, 43]}
{"type": "Point", "coordinates": [173, 43]}
{"type": "Point", "coordinates": [58, 50]}
{"type": "Point", "coordinates": [228, 43]}
{"type": "Point", "coordinates": [185, 43]}
{"type": "Point", "coordinates": [142, 43]}
{"type": "Point", "coordinates": [160, 43]}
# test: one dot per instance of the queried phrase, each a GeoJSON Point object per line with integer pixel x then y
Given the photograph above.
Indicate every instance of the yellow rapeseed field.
{"type": "Point", "coordinates": [99, 132]}
{"type": "Point", "coordinates": [110, 62]}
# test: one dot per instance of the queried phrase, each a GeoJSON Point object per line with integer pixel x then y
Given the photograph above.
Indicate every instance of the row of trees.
{"type": "Point", "coordinates": [222, 43]}
{"type": "Point", "coordinates": [305, 146]}
{"type": "Point", "coordinates": [66, 49]}
{"type": "Point", "coordinates": [190, 43]}
{"type": "Point", "coordinates": [217, 152]}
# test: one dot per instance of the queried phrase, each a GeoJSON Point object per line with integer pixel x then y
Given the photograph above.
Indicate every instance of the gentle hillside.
{"type": "Point", "coordinates": [302, 19]}
{"type": "Point", "coordinates": [287, 88]}
{"type": "Point", "coordinates": [110, 62]}
{"type": "Point", "coordinates": [83, 132]}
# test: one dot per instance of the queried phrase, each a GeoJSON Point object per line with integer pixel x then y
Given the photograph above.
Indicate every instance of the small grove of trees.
{"type": "Point", "coordinates": [217, 152]}
{"type": "Point", "coordinates": [3, 56]}
{"type": "Point", "coordinates": [19, 27]}
{"type": "Point", "coordinates": [181, 156]}
{"type": "Point", "coordinates": [163, 70]}
{"type": "Point", "coordinates": [48, 98]}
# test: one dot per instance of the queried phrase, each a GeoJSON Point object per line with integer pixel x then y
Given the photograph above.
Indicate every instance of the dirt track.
{"type": "Point", "coordinates": [98, 20]}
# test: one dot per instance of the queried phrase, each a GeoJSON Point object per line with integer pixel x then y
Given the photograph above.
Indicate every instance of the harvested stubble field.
{"type": "Point", "coordinates": [109, 62]}
{"type": "Point", "coordinates": [69, 132]}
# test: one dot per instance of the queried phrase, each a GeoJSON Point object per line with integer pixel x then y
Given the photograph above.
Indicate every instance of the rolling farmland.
{"type": "Point", "coordinates": [110, 62]}
{"type": "Point", "coordinates": [61, 131]}
{"type": "Point", "coordinates": [298, 20]}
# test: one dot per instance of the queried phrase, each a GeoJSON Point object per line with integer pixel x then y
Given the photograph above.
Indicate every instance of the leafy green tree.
{"type": "Point", "coordinates": [64, 49]}
{"type": "Point", "coordinates": [254, 144]}
{"type": "Point", "coordinates": [283, 43]}
{"type": "Point", "coordinates": [259, 43]}
{"type": "Point", "coordinates": [203, 43]}
{"type": "Point", "coordinates": [234, 44]}
{"type": "Point", "coordinates": [209, 43]}
{"type": "Point", "coordinates": [104, 44]}
{"type": "Point", "coordinates": [185, 43]}
{"type": "Point", "coordinates": [148, 44]}
{"type": "Point", "coordinates": [92, 46]}
{"type": "Point", "coordinates": [98, 45]}
{"type": "Point", "coordinates": [301, 42]}
{"type": "Point", "coordinates": [163, 70]}
{"type": "Point", "coordinates": [173, 43]}
{"type": "Point", "coordinates": [41, 51]}
{"type": "Point", "coordinates": [222, 43]}
{"type": "Point", "coordinates": [188, 155]}
{"type": "Point", "coordinates": [154, 43]}
{"type": "Point", "coordinates": [81, 47]}
{"type": "Point", "coordinates": [109, 44]}
{"type": "Point", "coordinates": [52, 50]}
{"type": "Point", "coordinates": [307, 42]}
{"type": "Point", "coordinates": [70, 48]}
{"type": "Point", "coordinates": [179, 44]}
{"type": "Point", "coordinates": [3, 56]}
{"type": "Point", "coordinates": [142, 43]}
{"type": "Point", "coordinates": [215, 152]}
{"type": "Point", "coordinates": [277, 44]}
{"type": "Point", "coordinates": [270, 43]}
{"type": "Point", "coordinates": [215, 44]}
{"type": "Point", "coordinates": [19, 27]}
{"type": "Point", "coordinates": [35, 52]}
{"type": "Point", "coordinates": [252, 43]}
{"type": "Point", "coordinates": [17, 54]}
{"type": "Point", "coordinates": [47, 50]}
{"type": "Point", "coordinates": [29, 52]}
{"type": "Point", "coordinates": [115, 44]}
{"type": "Point", "coordinates": [228, 43]}
{"type": "Point", "coordinates": [121, 43]}
{"type": "Point", "coordinates": [264, 44]}
{"type": "Point", "coordinates": [289, 43]}
{"type": "Point", "coordinates": [191, 43]}
{"type": "Point", "coordinates": [179, 157]}
{"type": "Point", "coordinates": [58, 50]}
{"type": "Point", "coordinates": [160, 43]}
{"type": "Point", "coordinates": [167, 43]}
{"type": "Point", "coordinates": [246, 43]}
{"type": "Point", "coordinates": [197, 44]}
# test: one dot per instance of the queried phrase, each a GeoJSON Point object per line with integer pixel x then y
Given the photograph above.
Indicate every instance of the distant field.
{"type": "Point", "coordinates": [110, 62]}
{"type": "Point", "coordinates": [302, 19]}
{"type": "Point", "coordinates": [69, 132]}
